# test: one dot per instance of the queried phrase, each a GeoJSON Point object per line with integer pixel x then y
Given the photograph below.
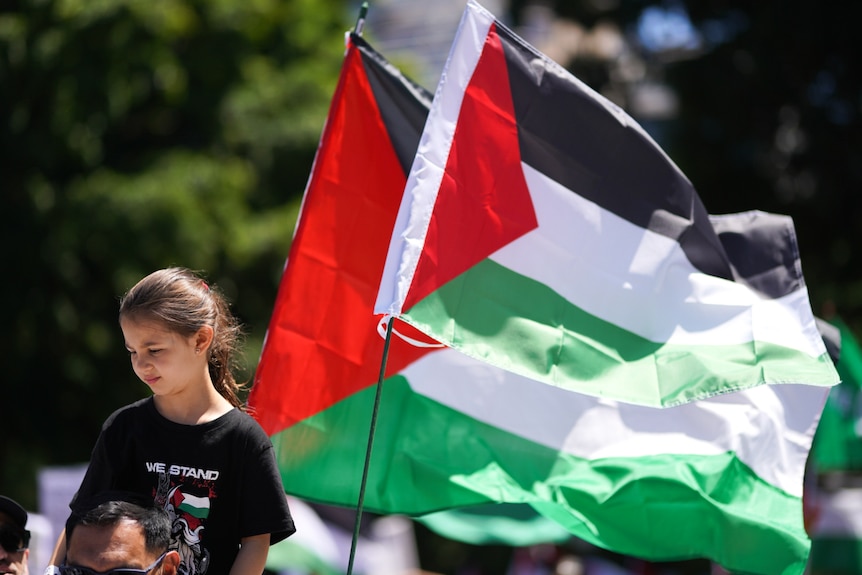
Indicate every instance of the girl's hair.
{"type": "Point", "coordinates": [182, 301]}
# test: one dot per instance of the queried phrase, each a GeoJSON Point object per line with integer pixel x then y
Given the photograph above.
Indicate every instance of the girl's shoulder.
{"type": "Point", "coordinates": [242, 422]}
{"type": "Point", "coordinates": [242, 428]}
{"type": "Point", "coordinates": [128, 422]}
{"type": "Point", "coordinates": [130, 413]}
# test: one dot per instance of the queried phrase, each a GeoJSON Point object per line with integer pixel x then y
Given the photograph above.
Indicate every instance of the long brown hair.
{"type": "Point", "coordinates": [183, 302]}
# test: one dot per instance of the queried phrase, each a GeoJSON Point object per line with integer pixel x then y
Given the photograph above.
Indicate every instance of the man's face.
{"type": "Point", "coordinates": [13, 559]}
{"type": "Point", "coordinates": [102, 548]}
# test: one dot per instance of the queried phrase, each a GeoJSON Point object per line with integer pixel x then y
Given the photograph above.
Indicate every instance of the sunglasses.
{"type": "Point", "coordinates": [12, 539]}
{"type": "Point", "coordinates": [73, 570]}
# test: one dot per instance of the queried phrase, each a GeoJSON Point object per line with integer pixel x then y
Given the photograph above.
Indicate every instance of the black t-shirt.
{"type": "Point", "coordinates": [219, 480]}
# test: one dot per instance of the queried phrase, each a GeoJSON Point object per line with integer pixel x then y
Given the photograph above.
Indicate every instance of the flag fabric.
{"type": "Point", "coordinates": [838, 442]}
{"type": "Point", "coordinates": [836, 461]}
{"type": "Point", "coordinates": [514, 524]}
{"type": "Point", "coordinates": [322, 343]}
{"type": "Point", "coordinates": [544, 232]}
{"type": "Point", "coordinates": [385, 545]}
{"type": "Point", "coordinates": [837, 537]}
{"type": "Point", "coordinates": [719, 478]}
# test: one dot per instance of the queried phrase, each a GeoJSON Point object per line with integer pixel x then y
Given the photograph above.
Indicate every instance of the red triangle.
{"type": "Point", "coordinates": [322, 343]}
{"type": "Point", "coordinates": [483, 202]}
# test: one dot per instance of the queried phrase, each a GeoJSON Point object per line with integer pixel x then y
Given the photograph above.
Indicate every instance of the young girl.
{"type": "Point", "coordinates": [190, 446]}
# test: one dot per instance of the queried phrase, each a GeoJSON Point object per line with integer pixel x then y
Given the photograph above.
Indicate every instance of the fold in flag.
{"type": "Point", "coordinates": [544, 232]}
{"type": "Point", "coordinates": [719, 478]}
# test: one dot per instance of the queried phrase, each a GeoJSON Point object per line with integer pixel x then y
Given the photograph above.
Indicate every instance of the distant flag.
{"type": "Point", "coordinates": [719, 478]}
{"type": "Point", "coordinates": [838, 442]}
{"type": "Point", "coordinates": [544, 232]}
{"type": "Point", "coordinates": [513, 524]}
{"type": "Point", "coordinates": [836, 461]}
{"type": "Point", "coordinates": [313, 550]}
{"type": "Point", "coordinates": [837, 536]}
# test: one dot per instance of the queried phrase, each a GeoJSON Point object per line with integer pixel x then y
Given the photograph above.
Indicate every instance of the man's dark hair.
{"type": "Point", "coordinates": [154, 521]}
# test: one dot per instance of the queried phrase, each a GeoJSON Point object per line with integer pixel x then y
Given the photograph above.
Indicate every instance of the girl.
{"type": "Point", "coordinates": [190, 446]}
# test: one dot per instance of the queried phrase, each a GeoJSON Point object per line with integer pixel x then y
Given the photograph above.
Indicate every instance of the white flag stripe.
{"type": "Point", "coordinates": [643, 282]}
{"type": "Point", "coordinates": [840, 514]}
{"type": "Point", "coordinates": [426, 174]}
{"type": "Point", "coordinates": [195, 501]}
{"type": "Point", "coordinates": [781, 417]}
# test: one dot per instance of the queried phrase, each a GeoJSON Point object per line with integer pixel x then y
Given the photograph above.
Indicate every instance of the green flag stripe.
{"type": "Point", "coordinates": [428, 458]}
{"type": "Point", "coordinates": [836, 556]}
{"type": "Point", "coordinates": [603, 359]}
{"type": "Point", "coordinates": [837, 445]}
{"type": "Point", "coordinates": [498, 523]}
{"type": "Point", "coordinates": [784, 416]}
{"type": "Point", "coordinates": [199, 512]}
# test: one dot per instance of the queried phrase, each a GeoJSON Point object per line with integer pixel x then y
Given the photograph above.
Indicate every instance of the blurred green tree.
{"type": "Point", "coordinates": [139, 135]}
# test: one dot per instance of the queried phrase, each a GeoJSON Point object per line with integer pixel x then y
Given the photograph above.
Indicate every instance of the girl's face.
{"type": "Point", "coordinates": [169, 363]}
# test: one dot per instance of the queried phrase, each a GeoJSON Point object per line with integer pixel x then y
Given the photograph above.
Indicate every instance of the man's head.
{"type": "Point", "coordinates": [119, 537]}
{"type": "Point", "coordinates": [14, 537]}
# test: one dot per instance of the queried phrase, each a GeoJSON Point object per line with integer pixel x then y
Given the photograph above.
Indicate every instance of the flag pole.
{"type": "Point", "coordinates": [374, 412]}
{"type": "Point", "coordinates": [357, 29]}
{"type": "Point", "coordinates": [360, 22]}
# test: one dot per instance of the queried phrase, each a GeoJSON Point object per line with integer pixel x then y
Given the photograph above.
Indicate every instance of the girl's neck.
{"type": "Point", "coordinates": [194, 409]}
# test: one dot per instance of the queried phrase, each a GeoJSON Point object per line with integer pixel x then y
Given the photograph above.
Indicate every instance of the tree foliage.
{"type": "Point", "coordinates": [140, 135]}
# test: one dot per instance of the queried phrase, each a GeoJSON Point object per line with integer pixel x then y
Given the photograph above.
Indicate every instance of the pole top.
{"type": "Point", "coordinates": [360, 22]}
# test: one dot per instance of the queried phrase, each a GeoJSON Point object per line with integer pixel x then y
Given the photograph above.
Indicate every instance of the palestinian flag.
{"type": "Point", "coordinates": [322, 344]}
{"type": "Point", "coordinates": [197, 507]}
{"type": "Point", "coordinates": [544, 232]}
{"type": "Point", "coordinates": [836, 459]}
{"type": "Point", "coordinates": [838, 444]}
{"type": "Point", "coordinates": [719, 478]}
{"type": "Point", "coordinates": [837, 548]}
